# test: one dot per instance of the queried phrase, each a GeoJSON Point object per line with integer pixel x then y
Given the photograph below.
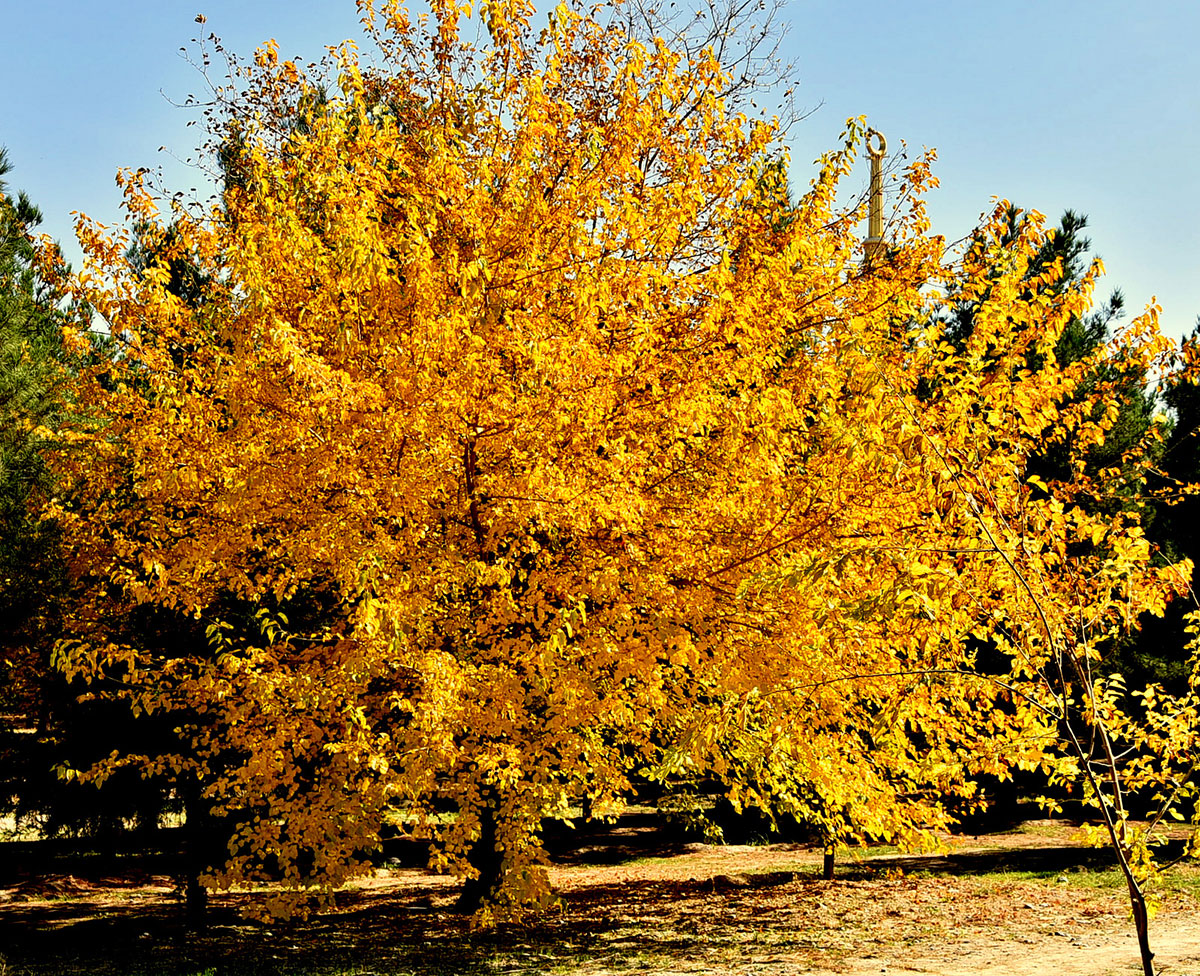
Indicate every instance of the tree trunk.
{"type": "Point", "coordinates": [195, 910]}
{"type": "Point", "coordinates": [827, 863]}
{"type": "Point", "coordinates": [197, 841]}
{"type": "Point", "coordinates": [487, 860]}
{"type": "Point", "coordinates": [1141, 922]}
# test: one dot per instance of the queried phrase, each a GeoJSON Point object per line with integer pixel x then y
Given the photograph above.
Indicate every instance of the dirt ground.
{"type": "Point", "coordinates": [1029, 901]}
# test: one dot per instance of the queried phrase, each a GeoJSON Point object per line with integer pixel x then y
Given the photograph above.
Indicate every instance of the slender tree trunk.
{"type": "Point", "coordinates": [1141, 922]}
{"type": "Point", "coordinates": [827, 862]}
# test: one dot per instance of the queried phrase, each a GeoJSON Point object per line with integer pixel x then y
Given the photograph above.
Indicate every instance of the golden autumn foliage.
{"type": "Point", "coordinates": [526, 441]}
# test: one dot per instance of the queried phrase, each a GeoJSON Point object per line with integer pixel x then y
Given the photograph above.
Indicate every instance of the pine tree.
{"type": "Point", "coordinates": [42, 724]}
{"type": "Point", "coordinates": [30, 371]}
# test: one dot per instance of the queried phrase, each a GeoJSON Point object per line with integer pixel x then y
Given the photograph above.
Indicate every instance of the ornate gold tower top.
{"type": "Point", "coordinates": [876, 149]}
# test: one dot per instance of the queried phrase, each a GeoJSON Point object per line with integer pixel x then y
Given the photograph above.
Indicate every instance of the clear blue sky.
{"type": "Point", "coordinates": [1089, 105]}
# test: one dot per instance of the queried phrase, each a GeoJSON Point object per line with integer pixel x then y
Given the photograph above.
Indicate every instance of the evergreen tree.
{"type": "Point", "coordinates": [30, 370]}
{"type": "Point", "coordinates": [42, 722]}
{"type": "Point", "coordinates": [1113, 484]}
{"type": "Point", "coordinates": [1177, 530]}
{"type": "Point", "coordinates": [1064, 260]}
{"type": "Point", "coordinates": [1160, 652]}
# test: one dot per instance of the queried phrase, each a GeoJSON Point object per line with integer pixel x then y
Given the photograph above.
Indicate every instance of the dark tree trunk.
{"type": "Point", "coordinates": [1141, 922]}
{"type": "Point", "coordinates": [195, 909]}
{"type": "Point", "coordinates": [487, 860]}
{"type": "Point", "coordinates": [197, 846]}
{"type": "Point", "coordinates": [827, 863]}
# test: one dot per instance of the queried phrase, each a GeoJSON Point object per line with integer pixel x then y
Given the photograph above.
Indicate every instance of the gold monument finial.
{"type": "Point", "coordinates": [874, 243]}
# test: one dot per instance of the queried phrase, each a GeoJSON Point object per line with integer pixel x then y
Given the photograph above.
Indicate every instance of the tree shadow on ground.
{"type": "Point", "coordinates": [383, 933]}
{"type": "Point", "coordinates": [386, 932]}
{"type": "Point", "coordinates": [408, 929]}
{"type": "Point", "coordinates": [1036, 860]}
{"type": "Point", "coordinates": [632, 837]}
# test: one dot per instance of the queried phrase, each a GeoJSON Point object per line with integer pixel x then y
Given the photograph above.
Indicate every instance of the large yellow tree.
{"type": "Point", "coordinates": [526, 440]}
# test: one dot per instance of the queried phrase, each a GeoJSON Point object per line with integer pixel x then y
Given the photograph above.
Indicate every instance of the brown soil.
{"type": "Point", "coordinates": [636, 901]}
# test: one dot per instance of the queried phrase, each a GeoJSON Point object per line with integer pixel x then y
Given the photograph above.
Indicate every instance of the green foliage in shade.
{"type": "Point", "coordinates": [1178, 528]}
{"type": "Point", "coordinates": [1155, 655]}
